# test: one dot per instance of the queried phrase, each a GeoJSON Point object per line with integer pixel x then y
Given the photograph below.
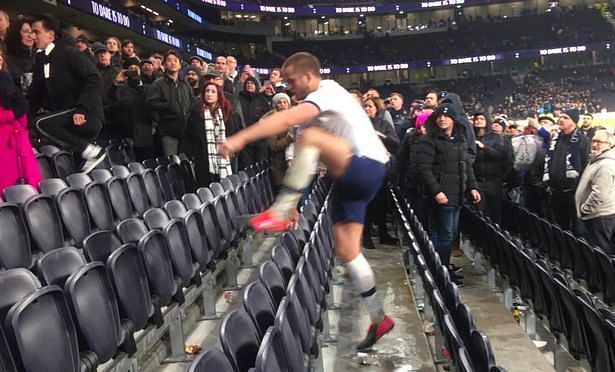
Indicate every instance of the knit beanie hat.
{"type": "Point", "coordinates": [573, 113]}
{"type": "Point", "coordinates": [280, 96]}
{"type": "Point", "coordinates": [131, 61]}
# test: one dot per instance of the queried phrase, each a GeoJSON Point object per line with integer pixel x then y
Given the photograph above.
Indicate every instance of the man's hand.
{"type": "Point", "coordinates": [232, 146]}
{"type": "Point", "coordinates": [480, 145]}
{"type": "Point", "coordinates": [475, 196]}
{"type": "Point", "coordinates": [381, 135]}
{"type": "Point", "coordinates": [78, 119]}
{"type": "Point", "coordinates": [533, 123]}
{"type": "Point", "coordinates": [294, 220]}
{"type": "Point", "coordinates": [121, 77]}
{"type": "Point", "coordinates": [441, 198]}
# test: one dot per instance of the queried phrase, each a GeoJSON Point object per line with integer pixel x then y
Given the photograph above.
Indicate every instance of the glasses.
{"type": "Point", "coordinates": [599, 142]}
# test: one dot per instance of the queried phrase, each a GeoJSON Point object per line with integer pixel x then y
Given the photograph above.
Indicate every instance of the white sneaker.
{"type": "Point", "coordinates": [92, 162]}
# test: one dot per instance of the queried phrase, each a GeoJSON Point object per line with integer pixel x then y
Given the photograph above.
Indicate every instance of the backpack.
{"type": "Point", "coordinates": [525, 149]}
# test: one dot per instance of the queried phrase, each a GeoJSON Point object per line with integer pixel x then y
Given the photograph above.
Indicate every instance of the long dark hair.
{"type": "Point", "coordinates": [223, 103]}
{"type": "Point", "coordinates": [13, 36]}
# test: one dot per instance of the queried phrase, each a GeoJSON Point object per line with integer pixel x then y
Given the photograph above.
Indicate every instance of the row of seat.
{"type": "Point", "coordinates": [96, 298]}
{"type": "Point", "coordinates": [586, 329]}
{"type": "Point", "coordinates": [571, 254]}
{"type": "Point", "coordinates": [284, 311]}
{"type": "Point", "coordinates": [466, 346]}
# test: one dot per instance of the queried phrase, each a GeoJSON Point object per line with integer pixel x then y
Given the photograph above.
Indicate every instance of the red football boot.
{"type": "Point", "coordinates": [375, 333]}
{"type": "Point", "coordinates": [268, 221]}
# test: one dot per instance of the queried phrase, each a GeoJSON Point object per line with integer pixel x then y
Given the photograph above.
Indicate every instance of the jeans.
{"type": "Point", "coordinates": [444, 223]}
{"type": "Point", "coordinates": [170, 145]}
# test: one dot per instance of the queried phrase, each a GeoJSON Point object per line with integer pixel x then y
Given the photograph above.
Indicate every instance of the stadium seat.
{"type": "Point", "coordinates": [137, 193]}
{"type": "Point", "coordinates": [15, 248]}
{"type": "Point", "coordinates": [290, 340]}
{"type": "Point", "coordinates": [464, 363]}
{"type": "Point", "coordinates": [575, 329]}
{"type": "Point", "coordinates": [299, 320]}
{"type": "Point", "coordinates": [270, 355]}
{"type": "Point", "coordinates": [217, 189]}
{"type": "Point", "coordinates": [120, 171]}
{"type": "Point", "coordinates": [18, 194]}
{"type": "Point", "coordinates": [56, 266]}
{"type": "Point", "coordinates": [165, 181]}
{"type": "Point", "coordinates": [192, 201]}
{"type": "Point", "coordinates": [129, 277]}
{"type": "Point", "coordinates": [44, 164]}
{"type": "Point", "coordinates": [98, 246]}
{"type": "Point", "coordinates": [205, 194]}
{"type": "Point", "coordinates": [101, 175]}
{"type": "Point", "coordinates": [120, 199]}
{"type": "Point", "coordinates": [179, 250]}
{"type": "Point", "coordinates": [272, 278]}
{"type": "Point", "coordinates": [44, 223]}
{"type": "Point", "coordinates": [464, 321]}
{"type": "Point", "coordinates": [15, 284]}
{"type": "Point", "coordinates": [51, 186]}
{"type": "Point", "coordinates": [235, 180]}
{"type": "Point", "coordinates": [480, 351]}
{"type": "Point", "coordinates": [289, 241]}
{"type": "Point", "coordinates": [600, 345]}
{"type": "Point", "coordinates": [131, 230]}
{"type": "Point", "coordinates": [74, 213]}
{"type": "Point", "coordinates": [282, 258]}
{"type": "Point", "coordinates": [150, 164]}
{"type": "Point", "coordinates": [78, 180]}
{"type": "Point", "coordinates": [162, 281]}
{"type": "Point", "coordinates": [176, 176]}
{"type": "Point", "coordinates": [227, 184]}
{"type": "Point", "coordinates": [211, 360]}
{"type": "Point", "coordinates": [202, 253]}
{"type": "Point", "coordinates": [211, 230]}
{"type": "Point", "coordinates": [189, 178]}
{"type": "Point", "coordinates": [114, 155]}
{"type": "Point", "coordinates": [452, 338]}
{"type": "Point", "coordinates": [592, 277]}
{"type": "Point", "coordinates": [155, 218]}
{"type": "Point", "coordinates": [175, 209]}
{"type": "Point", "coordinates": [99, 206]}
{"type": "Point", "coordinates": [239, 339]}
{"type": "Point", "coordinates": [258, 304]}
{"type": "Point", "coordinates": [136, 167]}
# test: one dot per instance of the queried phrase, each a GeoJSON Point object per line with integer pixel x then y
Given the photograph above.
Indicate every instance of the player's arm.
{"type": "Point", "coordinates": [270, 126]}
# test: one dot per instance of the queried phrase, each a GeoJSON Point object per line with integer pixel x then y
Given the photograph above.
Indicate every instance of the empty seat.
{"type": "Point", "coordinates": [270, 355]}
{"type": "Point", "coordinates": [63, 164]}
{"type": "Point", "coordinates": [189, 178]}
{"type": "Point", "coordinates": [258, 304]}
{"type": "Point", "coordinates": [165, 181]}
{"type": "Point", "coordinates": [78, 180]}
{"type": "Point", "coordinates": [205, 194]}
{"type": "Point", "coordinates": [464, 320]}
{"type": "Point", "coordinates": [15, 249]}
{"type": "Point", "coordinates": [150, 164]}
{"type": "Point", "coordinates": [239, 339]}
{"type": "Point", "coordinates": [192, 201]}
{"type": "Point", "coordinates": [51, 186]}
{"type": "Point", "coordinates": [214, 241]}
{"type": "Point", "coordinates": [131, 230]}
{"type": "Point", "coordinates": [44, 164]}
{"type": "Point", "coordinates": [138, 193]}
{"type": "Point", "coordinates": [136, 167]}
{"type": "Point", "coordinates": [15, 284]}
{"type": "Point", "coordinates": [289, 241]}
{"type": "Point", "coordinates": [271, 276]}
{"type": "Point", "coordinates": [120, 171]}
{"type": "Point", "coordinates": [179, 250]}
{"type": "Point", "coordinates": [18, 194]}
{"type": "Point", "coordinates": [290, 340]}
{"type": "Point", "coordinates": [235, 180]}
{"type": "Point", "coordinates": [175, 209]}
{"type": "Point", "coordinates": [155, 218]}
{"type": "Point", "coordinates": [43, 219]}
{"type": "Point", "coordinates": [101, 175]}
{"type": "Point", "coordinates": [120, 198]}
{"type": "Point", "coordinates": [176, 176]}
{"type": "Point", "coordinates": [217, 189]}
{"type": "Point", "coordinates": [42, 335]}
{"type": "Point", "coordinates": [282, 258]}
{"type": "Point", "coordinates": [99, 245]}
{"type": "Point", "coordinates": [129, 277]}
{"type": "Point", "coordinates": [159, 268]}
{"type": "Point", "coordinates": [481, 353]}
{"type": "Point", "coordinates": [197, 237]}
{"type": "Point", "coordinates": [114, 155]}
{"type": "Point", "coordinates": [74, 214]}
{"type": "Point", "coordinates": [56, 266]}
{"type": "Point", "coordinates": [92, 300]}
{"type": "Point", "coordinates": [227, 184]}
{"type": "Point", "coordinates": [153, 189]}
{"type": "Point", "coordinates": [211, 360]}
{"type": "Point", "coordinates": [99, 206]}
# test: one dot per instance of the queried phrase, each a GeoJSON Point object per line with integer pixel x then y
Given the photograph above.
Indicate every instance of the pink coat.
{"type": "Point", "coordinates": [15, 146]}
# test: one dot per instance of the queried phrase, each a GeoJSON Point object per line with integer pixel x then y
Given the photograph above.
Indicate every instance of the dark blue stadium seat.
{"type": "Point", "coordinates": [78, 180]}
{"type": "Point", "coordinates": [272, 278]}
{"type": "Point", "coordinates": [166, 183]}
{"type": "Point", "coordinates": [464, 320]}
{"type": "Point", "coordinates": [282, 258]}
{"type": "Point", "coordinates": [99, 206]}
{"type": "Point", "coordinates": [599, 342]}
{"type": "Point", "coordinates": [239, 339]}
{"type": "Point", "coordinates": [153, 188]}
{"type": "Point", "coordinates": [270, 355]}
{"type": "Point", "coordinates": [101, 175]}
{"type": "Point", "coordinates": [179, 250]}
{"type": "Point", "coordinates": [44, 222]}
{"type": "Point", "coordinates": [120, 171]}
{"type": "Point", "coordinates": [217, 189]}
{"type": "Point", "coordinates": [480, 352]}
{"type": "Point", "coordinates": [290, 340]}
{"type": "Point", "coordinates": [162, 281]}
{"type": "Point", "coordinates": [212, 232]}
{"type": "Point", "coordinates": [201, 252]}
{"type": "Point", "coordinates": [136, 167]}
{"type": "Point", "coordinates": [74, 213]}
{"type": "Point", "coordinates": [56, 266]}
{"type": "Point", "coordinates": [211, 360]}
{"type": "Point", "coordinates": [15, 249]}
{"type": "Point", "coordinates": [258, 304]}
{"type": "Point", "coordinates": [44, 164]}
{"type": "Point", "coordinates": [177, 177]}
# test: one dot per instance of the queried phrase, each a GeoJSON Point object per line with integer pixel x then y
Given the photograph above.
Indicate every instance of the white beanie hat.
{"type": "Point", "coordinates": [280, 96]}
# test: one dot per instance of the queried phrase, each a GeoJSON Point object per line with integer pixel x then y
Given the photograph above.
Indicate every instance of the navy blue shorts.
{"type": "Point", "coordinates": [353, 192]}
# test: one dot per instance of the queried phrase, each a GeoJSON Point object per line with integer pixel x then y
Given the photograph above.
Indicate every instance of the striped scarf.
{"type": "Point", "coordinates": [215, 133]}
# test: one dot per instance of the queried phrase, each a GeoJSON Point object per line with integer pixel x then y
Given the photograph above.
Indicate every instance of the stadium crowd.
{"type": "Point", "coordinates": [444, 153]}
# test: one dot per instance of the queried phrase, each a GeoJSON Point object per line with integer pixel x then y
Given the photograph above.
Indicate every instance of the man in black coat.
{"type": "Point", "coordinates": [67, 86]}
{"type": "Point", "coordinates": [169, 99]}
{"type": "Point", "coordinates": [253, 106]}
{"type": "Point", "coordinates": [488, 168]}
{"type": "Point", "coordinates": [445, 169]}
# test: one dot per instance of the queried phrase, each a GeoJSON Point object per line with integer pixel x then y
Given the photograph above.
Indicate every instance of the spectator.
{"type": "Point", "coordinates": [543, 130]}
{"type": "Point", "coordinates": [246, 73]}
{"type": "Point", "coordinates": [215, 77]}
{"type": "Point", "coordinates": [83, 45]}
{"type": "Point", "coordinates": [128, 49]}
{"type": "Point", "coordinates": [499, 125]}
{"type": "Point", "coordinates": [193, 78]}
{"type": "Point", "coordinates": [383, 114]}
{"type": "Point", "coordinates": [108, 73]}
{"type": "Point", "coordinates": [169, 99]}
{"type": "Point", "coordinates": [5, 22]}
{"type": "Point", "coordinates": [595, 203]}
{"type": "Point", "coordinates": [197, 62]}
{"type": "Point", "coordinates": [68, 88]}
{"type": "Point", "coordinates": [488, 168]}
{"type": "Point", "coordinates": [586, 126]}
{"type": "Point", "coordinates": [278, 144]}
{"type": "Point", "coordinates": [128, 98]}
{"type": "Point", "coordinates": [376, 211]}
{"type": "Point", "coordinates": [18, 163]}
{"type": "Point", "coordinates": [213, 123]}
{"type": "Point", "coordinates": [147, 71]}
{"type": "Point", "coordinates": [529, 163]}
{"type": "Point", "coordinates": [513, 131]}
{"type": "Point", "coordinates": [113, 46]}
{"type": "Point", "coordinates": [253, 106]}
{"type": "Point", "coordinates": [565, 161]}
{"type": "Point", "coordinates": [231, 66]}
{"type": "Point", "coordinates": [397, 110]}
{"type": "Point", "coordinates": [158, 67]}
{"type": "Point", "coordinates": [431, 99]}
{"type": "Point", "coordinates": [269, 91]}
{"type": "Point", "coordinates": [276, 80]}
{"type": "Point", "coordinates": [222, 68]}
{"type": "Point", "coordinates": [20, 52]}
{"type": "Point", "coordinates": [446, 171]}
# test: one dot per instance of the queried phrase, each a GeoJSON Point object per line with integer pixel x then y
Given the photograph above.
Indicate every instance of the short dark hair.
{"type": "Point", "coordinates": [157, 56]}
{"type": "Point", "coordinates": [49, 22]}
{"type": "Point", "coordinates": [277, 69]}
{"type": "Point", "coordinates": [430, 91]}
{"type": "Point", "coordinates": [126, 42]}
{"type": "Point", "coordinates": [172, 52]}
{"type": "Point", "coordinates": [588, 114]}
{"type": "Point", "coordinates": [398, 95]}
{"type": "Point", "coordinates": [303, 62]}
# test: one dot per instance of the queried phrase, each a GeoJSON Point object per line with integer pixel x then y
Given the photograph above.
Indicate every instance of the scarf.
{"type": "Point", "coordinates": [215, 134]}
{"type": "Point", "coordinates": [573, 159]}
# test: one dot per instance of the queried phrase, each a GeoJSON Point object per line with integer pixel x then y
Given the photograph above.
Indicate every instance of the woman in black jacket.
{"type": "Point", "coordinates": [253, 106]}
{"type": "Point", "coordinates": [445, 169]}
{"type": "Point", "coordinates": [376, 211]}
{"type": "Point", "coordinates": [20, 52]}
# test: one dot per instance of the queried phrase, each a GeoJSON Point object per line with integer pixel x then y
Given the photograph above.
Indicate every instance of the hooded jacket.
{"type": "Point", "coordinates": [454, 100]}
{"type": "Point", "coordinates": [594, 195]}
{"type": "Point", "coordinates": [488, 162]}
{"type": "Point", "coordinates": [443, 162]}
{"type": "Point", "coordinates": [253, 105]}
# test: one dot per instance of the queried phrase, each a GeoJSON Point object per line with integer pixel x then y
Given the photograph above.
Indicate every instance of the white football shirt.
{"type": "Point", "coordinates": [342, 115]}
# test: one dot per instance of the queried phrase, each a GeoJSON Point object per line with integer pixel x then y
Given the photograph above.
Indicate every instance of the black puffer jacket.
{"type": "Point", "coordinates": [489, 159]}
{"type": "Point", "coordinates": [454, 100]}
{"type": "Point", "coordinates": [169, 101]}
{"type": "Point", "coordinates": [443, 162]}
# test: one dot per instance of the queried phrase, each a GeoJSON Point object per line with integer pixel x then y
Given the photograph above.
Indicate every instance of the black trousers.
{"type": "Point", "coordinates": [491, 199]}
{"type": "Point", "coordinates": [563, 210]}
{"type": "Point", "coordinates": [377, 213]}
{"type": "Point", "coordinates": [59, 127]}
{"type": "Point", "coordinates": [601, 232]}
